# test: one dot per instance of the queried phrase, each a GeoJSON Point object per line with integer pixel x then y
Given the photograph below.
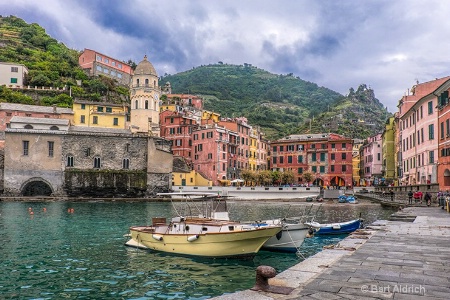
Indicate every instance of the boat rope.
{"type": "Point", "coordinates": [298, 253]}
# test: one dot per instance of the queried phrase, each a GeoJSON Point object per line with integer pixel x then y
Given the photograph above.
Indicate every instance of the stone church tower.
{"type": "Point", "coordinates": [145, 94]}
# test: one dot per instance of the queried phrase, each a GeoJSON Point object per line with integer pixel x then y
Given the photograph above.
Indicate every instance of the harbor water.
{"type": "Point", "coordinates": [75, 250]}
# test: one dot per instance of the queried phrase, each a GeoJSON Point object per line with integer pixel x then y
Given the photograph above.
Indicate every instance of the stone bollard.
{"type": "Point", "coordinates": [263, 274]}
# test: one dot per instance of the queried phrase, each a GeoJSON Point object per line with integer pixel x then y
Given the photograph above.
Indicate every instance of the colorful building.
{"type": "Point", "coordinates": [388, 152]}
{"type": "Point", "coordinates": [178, 128]}
{"type": "Point", "coordinates": [210, 152]}
{"type": "Point", "coordinates": [100, 114]}
{"type": "Point", "coordinates": [418, 131]}
{"type": "Point", "coordinates": [443, 136]}
{"type": "Point", "coordinates": [327, 156]}
{"type": "Point", "coordinates": [356, 161]}
{"type": "Point", "coordinates": [371, 161]}
{"type": "Point", "coordinates": [95, 63]}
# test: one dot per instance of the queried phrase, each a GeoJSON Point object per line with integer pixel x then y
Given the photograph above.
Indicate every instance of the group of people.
{"type": "Point", "coordinates": [418, 197]}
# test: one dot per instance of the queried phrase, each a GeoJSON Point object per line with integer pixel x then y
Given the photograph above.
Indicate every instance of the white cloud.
{"type": "Point", "coordinates": [384, 44]}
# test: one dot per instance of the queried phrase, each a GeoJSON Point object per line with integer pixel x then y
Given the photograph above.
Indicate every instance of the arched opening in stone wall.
{"type": "Point", "coordinates": [36, 188]}
{"type": "Point", "coordinates": [446, 177]}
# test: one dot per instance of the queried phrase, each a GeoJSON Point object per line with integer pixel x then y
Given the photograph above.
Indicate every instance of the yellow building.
{"type": "Point", "coordinates": [388, 151]}
{"type": "Point", "coordinates": [253, 149]}
{"type": "Point", "coordinates": [191, 178]}
{"type": "Point", "coordinates": [96, 114]}
{"type": "Point", "coordinates": [356, 161]}
{"type": "Point", "coordinates": [209, 115]}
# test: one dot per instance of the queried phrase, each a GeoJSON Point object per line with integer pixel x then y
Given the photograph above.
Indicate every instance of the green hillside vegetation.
{"type": "Point", "coordinates": [50, 64]}
{"type": "Point", "coordinates": [279, 104]}
{"type": "Point", "coordinates": [358, 115]}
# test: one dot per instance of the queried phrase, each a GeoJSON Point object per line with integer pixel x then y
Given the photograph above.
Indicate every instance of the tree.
{"type": "Point", "coordinates": [264, 177]}
{"type": "Point", "coordinates": [276, 177]}
{"type": "Point", "coordinates": [308, 176]}
{"type": "Point", "coordinates": [287, 177]}
{"type": "Point", "coordinates": [40, 80]}
{"type": "Point", "coordinates": [249, 176]}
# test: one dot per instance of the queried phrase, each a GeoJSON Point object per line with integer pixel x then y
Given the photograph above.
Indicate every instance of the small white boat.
{"type": "Point", "coordinates": [289, 239]}
{"type": "Point", "coordinates": [208, 234]}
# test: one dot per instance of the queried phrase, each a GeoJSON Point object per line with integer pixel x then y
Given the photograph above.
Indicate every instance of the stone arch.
{"type": "Point", "coordinates": [318, 182]}
{"type": "Point", "coordinates": [446, 177]}
{"type": "Point", "coordinates": [36, 186]}
{"type": "Point", "coordinates": [337, 181]}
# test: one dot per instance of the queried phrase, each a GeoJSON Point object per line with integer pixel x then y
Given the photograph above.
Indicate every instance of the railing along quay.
{"type": "Point", "coordinates": [395, 200]}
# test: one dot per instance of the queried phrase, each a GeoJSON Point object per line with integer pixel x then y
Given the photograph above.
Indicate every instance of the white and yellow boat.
{"type": "Point", "coordinates": [203, 235]}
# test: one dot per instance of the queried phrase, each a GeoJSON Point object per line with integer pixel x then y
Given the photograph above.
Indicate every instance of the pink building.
{"type": "Point", "coordinates": [178, 128]}
{"type": "Point", "coordinates": [418, 134]}
{"type": "Point", "coordinates": [186, 100]}
{"type": "Point", "coordinates": [240, 126]}
{"type": "Point", "coordinates": [95, 63]}
{"type": "Point", "coordinates": [371, 161]}
{"type": "Point", "coordinates": [210, 152]}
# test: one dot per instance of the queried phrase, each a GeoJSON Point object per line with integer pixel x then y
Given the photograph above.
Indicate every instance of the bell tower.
{"type": "Point", "coordinates": [144, 98]}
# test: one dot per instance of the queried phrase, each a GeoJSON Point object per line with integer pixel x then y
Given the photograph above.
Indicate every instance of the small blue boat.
{"type": "Point", "coordinates": [347, 199]}
{"type": "Point", "coordinates": [335, 228]}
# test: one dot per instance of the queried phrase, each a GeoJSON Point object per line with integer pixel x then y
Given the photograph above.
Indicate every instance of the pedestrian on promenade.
{"type": "Point", "coordinates": [427, 198]}
{"type": "Point", "coordinates": [410, 197]}
{"type": "Point", "coordinates": [391, 192]}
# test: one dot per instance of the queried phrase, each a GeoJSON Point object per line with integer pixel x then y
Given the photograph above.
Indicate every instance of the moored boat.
{"type": "Point", "coordinates": [202, 235]}
{"type": "Point", "coordinates": [347, 199]}
{"type": "Point", "coordinates": [335, 228]}
{"type": "Point", "coordinates": [289, 239]}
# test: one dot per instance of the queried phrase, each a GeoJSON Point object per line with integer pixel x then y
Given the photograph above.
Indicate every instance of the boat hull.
{"type": "Point", "coordinates": [289, 239]}
{"type": "Point", "coordinates": [245, 243]}
{"type": "Point", "coordinates": [336, 228]}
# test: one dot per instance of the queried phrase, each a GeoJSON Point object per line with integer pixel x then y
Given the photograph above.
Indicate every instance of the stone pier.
{"type": "Point", "coordinates": [404, 259]}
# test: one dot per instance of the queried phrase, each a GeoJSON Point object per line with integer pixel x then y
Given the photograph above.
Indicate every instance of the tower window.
{"type": "Point", "coordinates": [126, 163]}
{"type": "Point", "coordinates": [69, 161]}
{"type": "Point", "coordinates": [97, 162]}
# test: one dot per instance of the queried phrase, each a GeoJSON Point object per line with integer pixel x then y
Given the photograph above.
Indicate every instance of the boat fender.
{"type": "Point", "coordinates": [157, 237]}
{"type": "Point", "coordinates": [193, 238]}
{"type": "Point", "coordinates": [279, 235]}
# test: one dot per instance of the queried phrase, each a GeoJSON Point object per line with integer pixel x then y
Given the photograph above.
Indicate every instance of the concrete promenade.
{"type": "Point", "coordinates": [387, 260]}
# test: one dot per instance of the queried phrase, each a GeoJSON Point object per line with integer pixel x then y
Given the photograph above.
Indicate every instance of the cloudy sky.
{"type": "Point", "coordinates": [388, 45]}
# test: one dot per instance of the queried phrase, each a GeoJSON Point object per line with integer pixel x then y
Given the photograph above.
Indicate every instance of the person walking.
{"type": "Point", "coordinates": [427, 198]}
{"type": "Point", "coordinates": [391, 192]}
{"type": "Point", "coordinates": [410, 197]}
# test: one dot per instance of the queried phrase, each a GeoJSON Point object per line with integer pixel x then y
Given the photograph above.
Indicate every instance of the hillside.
{"type": "Point", "coordinates": [358, 115]}
{"type": "Point", "coordinates": [276, 103]}
{"type": "Point", "coordinates": [50, 63]}
{"type": "Point", "coordinates": [281, 104]}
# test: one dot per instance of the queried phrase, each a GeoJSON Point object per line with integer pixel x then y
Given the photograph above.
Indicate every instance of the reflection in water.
{"type": "Point", "coordinates": [55, 254]}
